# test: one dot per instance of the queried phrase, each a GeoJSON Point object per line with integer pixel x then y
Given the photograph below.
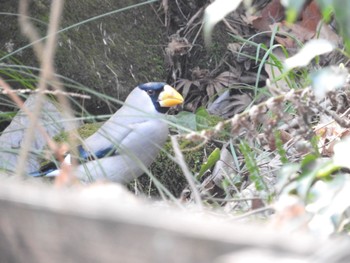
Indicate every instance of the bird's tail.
{"type": "Point", "coordinates": [51, 169]}
{"type": "Point", "coordinates": [48, 170]}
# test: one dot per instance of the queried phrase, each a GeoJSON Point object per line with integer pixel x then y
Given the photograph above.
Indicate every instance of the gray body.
{"type": "Point", "coordinates": [138, 132]}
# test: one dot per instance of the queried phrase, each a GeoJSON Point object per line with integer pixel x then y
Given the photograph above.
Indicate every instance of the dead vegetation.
{"type": "Point", "coordinates": [272, 119]}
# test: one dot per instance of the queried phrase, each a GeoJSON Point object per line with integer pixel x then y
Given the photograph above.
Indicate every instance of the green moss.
{"type": "Point", "coordinates": [84, 131]}
{"type": "Point", "coordinates": [168, 173]}
{"type": "Point", "coordinates": [88, 129]}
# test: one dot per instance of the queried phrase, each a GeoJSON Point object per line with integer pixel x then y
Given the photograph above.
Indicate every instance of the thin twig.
{"type": "Point", "coordinates": [49, 92]}
{"type": "Point", "coordinates": [56, 9]}
{"type": "Point", "coordinates": [28, 29]}
{"type": "Point", "coordinates": [188, 175]}
{"type": "Point", "coordinates": [332, 121]}
{"type": "Point", "coordinates": [45, 75]}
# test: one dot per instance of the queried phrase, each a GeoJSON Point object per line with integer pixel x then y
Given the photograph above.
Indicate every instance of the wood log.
{"type": "Point", "coordinates": [42, 224]}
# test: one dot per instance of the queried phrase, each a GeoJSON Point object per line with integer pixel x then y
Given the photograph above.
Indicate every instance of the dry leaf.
{"type": "Point", "coordinates": [300, 32]}
{"type": "Point", "coordinates": [310, 17]}
{"type": "Point", "coordinates": [303, 29]}
{"type": "Point", "coordinates": [270, 14]}
{"type": "Point", "coordinates": [184, 85]}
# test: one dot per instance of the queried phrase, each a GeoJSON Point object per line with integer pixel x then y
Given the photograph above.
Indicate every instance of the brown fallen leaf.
{"type": "Point", "coordinates": [298, 31]}
{"type": "Point", "coordinates": [272, 15]}
{"type": "Point", "coordinates": [310, 17]}
{"type": "Point", "coordinates": [273, 12]}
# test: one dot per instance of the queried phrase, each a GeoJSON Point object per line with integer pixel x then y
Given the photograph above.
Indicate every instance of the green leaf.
{"type": "Point", "coordinates": [293, 8]}
{"type": "Point", "coordinates": [308, 159]}
{"type": "Point", "coordinates": [326, 8]}
{"type": "Point", "coordinates": [327, 170]}
{"type": "Point", "coordinates": [212, 159]}
{"type": "Point", "coordinates": [205, 120]}
{"type": "Point", "coordinates": [202, 118]}
{"type": "Point", "coordinates": [7, 115]}
{"type": "Point", "coordinates": [279, 146]}
{"type": "Point", "coordinates": [185, 119]}
{"type": "Point", "coordinates": [252, 166]}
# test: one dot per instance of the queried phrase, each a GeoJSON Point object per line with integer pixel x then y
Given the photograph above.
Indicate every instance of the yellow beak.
{"type": "Point", "coordinates": [169, 97]}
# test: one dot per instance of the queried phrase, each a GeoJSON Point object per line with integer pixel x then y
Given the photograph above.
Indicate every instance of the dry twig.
{"type": "Point", "coordinates": [46, 59]}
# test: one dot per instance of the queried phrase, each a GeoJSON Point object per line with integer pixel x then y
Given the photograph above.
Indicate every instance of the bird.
{"type": "Point", "coordinates": [128, 143]}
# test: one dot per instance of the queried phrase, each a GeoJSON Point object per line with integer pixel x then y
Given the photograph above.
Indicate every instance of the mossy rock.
{"type": "Point", "coordinates": [108, 55]}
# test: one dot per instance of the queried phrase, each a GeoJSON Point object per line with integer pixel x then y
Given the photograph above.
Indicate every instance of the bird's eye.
{"type": "Point", "coordinates": [150, 92]}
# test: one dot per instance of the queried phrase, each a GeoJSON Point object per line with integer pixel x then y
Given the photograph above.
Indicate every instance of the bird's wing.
{"type": "Point", "coordinates": [122, 123]}
{"type": "Point", "coordinates": [135, 153]}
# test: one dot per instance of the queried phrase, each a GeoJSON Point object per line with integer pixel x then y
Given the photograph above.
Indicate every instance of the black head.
{"type": "Point", "coordinates": [162, 95]}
